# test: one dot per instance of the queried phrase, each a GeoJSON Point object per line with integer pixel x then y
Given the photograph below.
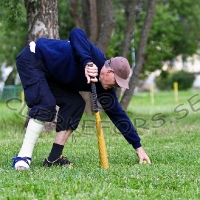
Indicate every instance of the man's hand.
{"type": "Point", "coordinates": [91, 71]}
{"type": "Point", "coordinates": [142, 155]}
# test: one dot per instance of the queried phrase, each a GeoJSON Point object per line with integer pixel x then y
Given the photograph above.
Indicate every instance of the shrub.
{"type": "Point", "coordinates": [185, 79]}
{"type": "Point", "coordinates": [165, 80]}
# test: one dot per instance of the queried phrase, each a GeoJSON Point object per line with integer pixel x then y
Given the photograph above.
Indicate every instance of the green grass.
{"type": "Point", "coordinates": [172, 144]}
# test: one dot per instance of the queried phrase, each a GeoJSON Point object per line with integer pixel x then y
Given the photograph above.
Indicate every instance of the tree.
{"type": "Point", "coordinates": [130, 11]}
{"type": "Point", "coordinates": [42, 18]}
{"type": "Point", "coordinates": [12, 33]}
{"type": "Point", "coordinates": [105, 22]}
{"type": "Point", "coordinates": [175, 31]}
{"type": "Point", "coordinates": [140, 58]}
{"type": "Point", "coordinates": [96, 19]}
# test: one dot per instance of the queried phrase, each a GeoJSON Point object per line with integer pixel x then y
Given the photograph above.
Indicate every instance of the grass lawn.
{"type": "Point", "coordinates": [170, 135]}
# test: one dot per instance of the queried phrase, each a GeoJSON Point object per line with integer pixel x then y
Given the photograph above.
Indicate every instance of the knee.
{"type": "Point", "coordinates": [49, 111]}
{"type": "Point", "coordinates": [43, 114]}
{"type": "Point", "coordinates": [44, 111]}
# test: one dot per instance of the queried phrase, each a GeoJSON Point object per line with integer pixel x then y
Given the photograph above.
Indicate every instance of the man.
{"type": "Point", "coordinates": [52, 73]}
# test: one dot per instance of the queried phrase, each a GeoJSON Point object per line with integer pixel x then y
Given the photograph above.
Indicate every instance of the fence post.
{"type": "Point", "coordinates": [176, 91]}
{"type": "Point", "coordinates": [152, 94]}
{"type": "Point", "coordinates": [22, 97]}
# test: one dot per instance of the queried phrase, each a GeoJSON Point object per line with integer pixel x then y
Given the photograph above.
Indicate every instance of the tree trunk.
{"type": "Point", "coordinates": [107, 21]}
{"type": "Point", "coordinates": [74, 12]}
{"type": "Point", "coordinates": [42, 18]}
{"type": "Point", "coordinates": [130, 10]}
{"type": "Point", "coordinates": [140, 55]}
{"type": "Point", "coordinates": [93, 23]}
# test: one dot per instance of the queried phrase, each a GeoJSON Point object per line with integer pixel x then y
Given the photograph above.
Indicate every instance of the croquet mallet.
{"type": "Point", "coordinates": [100, 135]}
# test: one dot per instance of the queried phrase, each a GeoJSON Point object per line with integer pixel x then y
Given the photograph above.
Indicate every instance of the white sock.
{"type": "Point", "coordinates": [33, 131]}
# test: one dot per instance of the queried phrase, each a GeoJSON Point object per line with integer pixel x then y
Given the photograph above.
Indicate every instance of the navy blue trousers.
{"type": "Point", "coordinates": [43, 93]}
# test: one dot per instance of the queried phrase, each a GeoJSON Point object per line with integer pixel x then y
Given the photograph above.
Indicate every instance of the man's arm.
{"type": "Point", "coordinates": [80, 45]}
{"type": "Point", "coordinates": [83, 50]}
{"type": "Point", "coordinates": [109, 102]}
{"type": "Point", "coordinates": [121, 120]}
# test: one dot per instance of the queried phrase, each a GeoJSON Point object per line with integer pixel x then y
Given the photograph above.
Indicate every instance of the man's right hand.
{"type": "Point", "coordinates": [91, 71]}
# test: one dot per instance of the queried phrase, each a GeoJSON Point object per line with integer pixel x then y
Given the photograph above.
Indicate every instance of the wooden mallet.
{"type": "Point", "coordinates": [100, 135]}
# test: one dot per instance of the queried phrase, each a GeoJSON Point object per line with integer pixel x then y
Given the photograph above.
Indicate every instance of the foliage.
{"type": "Point", "coordinates": [13, 30]}
{"type": "Point", "coordinates": [165, 80]}
{"type": "Point", "coordinates": [13, 11]}
{"type": "Point", "coordinates": [64, 19]}
{"type": "Point", "coordinates": [185, 79]}
{"type": "Point", "coordinates": [171, 147]}
{"type": "Point", "coordinates": [115, 46]}
{"type": "Point", "coordinates": [175, 31]}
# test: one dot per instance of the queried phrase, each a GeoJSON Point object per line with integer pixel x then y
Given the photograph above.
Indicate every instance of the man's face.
{"type": "Point", "coordinates": [107, 78]}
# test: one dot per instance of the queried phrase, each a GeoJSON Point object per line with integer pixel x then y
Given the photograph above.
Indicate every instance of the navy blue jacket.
{"type": "Point", "coordinates": [65, 61]}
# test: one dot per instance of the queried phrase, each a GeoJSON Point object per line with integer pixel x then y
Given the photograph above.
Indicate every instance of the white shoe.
{"type": "Point", "coordinates": [21, 163]}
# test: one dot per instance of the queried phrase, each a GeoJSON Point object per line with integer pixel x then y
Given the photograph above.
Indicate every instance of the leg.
{"type": "Point", "coordinates": [55, 156]}
{"type": "Point", "coordinates": [71, 109]}
{"type": "Point", "coordinates": [39, 98]}
{"type": "Point", "coordinates": [62, 136]}
{"type": "Point", "coordinates": [43, 111]}
{"type": "Point", "coordinates": [23, 160]}
{"type": "Point", "coordinates": [41, 101]}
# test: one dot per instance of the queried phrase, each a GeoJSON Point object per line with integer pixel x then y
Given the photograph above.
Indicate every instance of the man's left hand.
{"type": "Point", "coordinates": [142, 156]}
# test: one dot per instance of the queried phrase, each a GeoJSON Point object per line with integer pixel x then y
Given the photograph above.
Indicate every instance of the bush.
{"type": "Point", "coordinates": [185, 79]}
{"type": "Point", "coordinates": [165, 80]}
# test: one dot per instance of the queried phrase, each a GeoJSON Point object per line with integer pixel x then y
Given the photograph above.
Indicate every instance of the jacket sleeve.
{"type": "Point", "coordinates": [80, 45]}
{"type": "Point", "coordinates": [118, 116]}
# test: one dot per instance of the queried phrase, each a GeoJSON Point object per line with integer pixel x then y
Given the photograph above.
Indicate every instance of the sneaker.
{"type": "Point", "coordinates": [21, 163]}
{"type": "Point", "coordinates": [61, 161]}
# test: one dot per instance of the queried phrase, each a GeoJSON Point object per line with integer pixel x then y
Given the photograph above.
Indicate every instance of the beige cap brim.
{"type": "Point", "coordinates": [122, 82]}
